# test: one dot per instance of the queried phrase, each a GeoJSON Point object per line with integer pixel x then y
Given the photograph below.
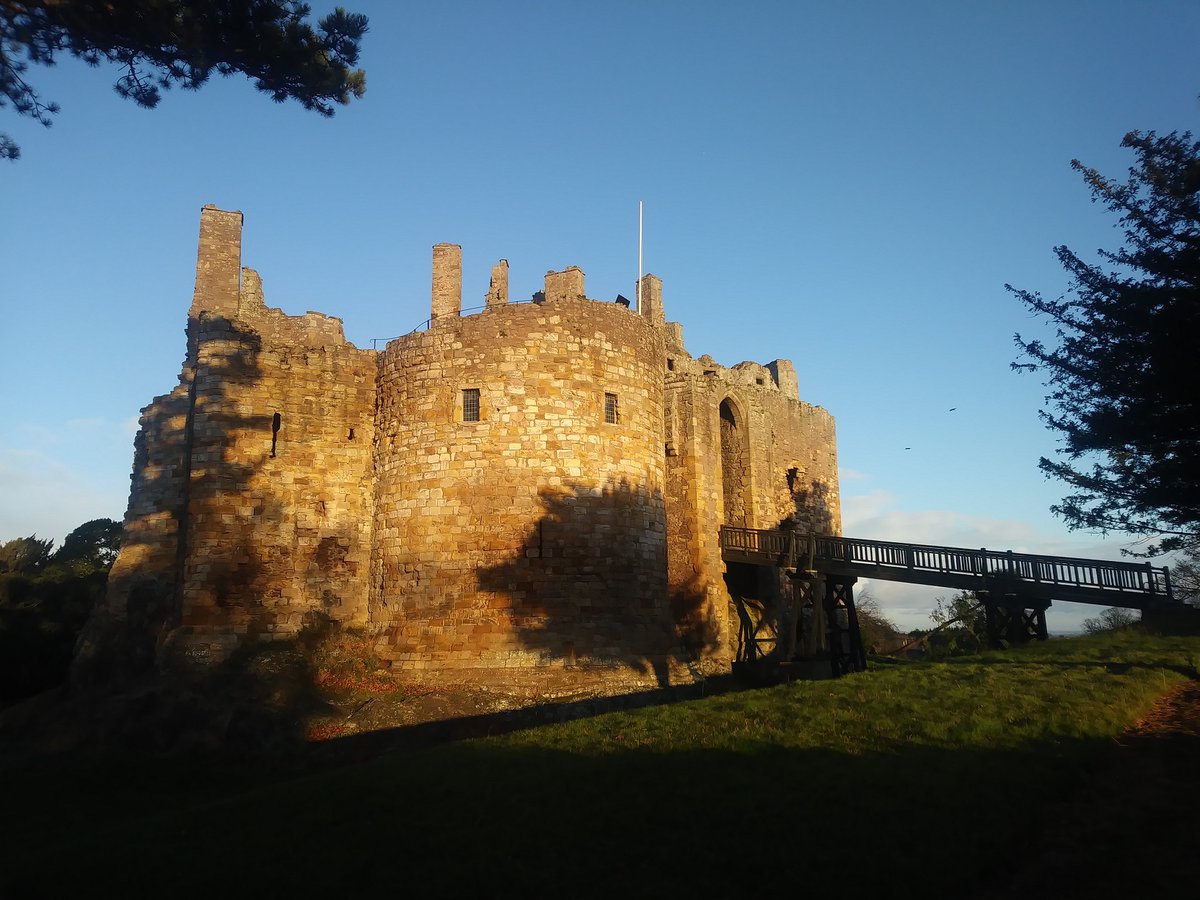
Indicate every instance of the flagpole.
{"type": "Point", "coordinates": [639, 280]}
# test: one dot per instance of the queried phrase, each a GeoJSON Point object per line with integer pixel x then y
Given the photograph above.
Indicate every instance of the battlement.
{"type": "Point", "coordinates": [779, 375]}
{"type": "Point", "coordinates": [565, 285]}
{"type": "Point", "coordinates": [227, 289]}
{"type": "Point", "coordinates": [446, 290]}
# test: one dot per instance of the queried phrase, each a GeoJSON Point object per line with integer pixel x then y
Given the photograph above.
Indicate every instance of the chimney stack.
{"type": "Point", "coordinates": [447, 281]}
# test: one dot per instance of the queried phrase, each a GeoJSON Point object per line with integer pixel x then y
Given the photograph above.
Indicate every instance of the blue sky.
{"type": "Point", "coordinates": [845, 185]}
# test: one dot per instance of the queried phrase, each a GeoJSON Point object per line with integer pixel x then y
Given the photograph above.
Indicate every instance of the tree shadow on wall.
{"type": "Point", "coordinates": [146, 675]}
{"type": "Point", "coordinates": [813, 506]}
{"type": "Point", "coordinates": [191, 517]}
{"type": "Point", "coordinates": [124, 635]}
{"type": "Point", "coordinates": [588, 586]}
{"type": "Point", "coordinates": [695, 621]}
{"type": "Point", "coordinates": [759, 601]}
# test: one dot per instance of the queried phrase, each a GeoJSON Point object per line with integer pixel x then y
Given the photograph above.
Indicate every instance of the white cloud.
{"type": "Point", "coordinates": [874, 515]}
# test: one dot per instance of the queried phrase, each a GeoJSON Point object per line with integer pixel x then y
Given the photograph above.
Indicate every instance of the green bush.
{"type": "Point", "coordinates": [40, 618]}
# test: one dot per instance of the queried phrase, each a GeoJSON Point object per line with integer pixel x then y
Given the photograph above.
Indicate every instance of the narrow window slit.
{"type": "Point", "coordinates": [276, 423]}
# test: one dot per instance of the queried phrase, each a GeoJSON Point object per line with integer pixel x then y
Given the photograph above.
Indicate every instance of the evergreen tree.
{"type": "Point", "coordinates": [26, 555]}
{"type": "Point", "coordinates": [1123, 379]}
{"type": "Point", "coordinates": [93, 546]}
{"type": "Point", "coordinates": [160, 43]}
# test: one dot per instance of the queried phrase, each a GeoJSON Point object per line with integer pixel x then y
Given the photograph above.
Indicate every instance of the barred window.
{"type": "Point", "coordinates": [610, 409]}
{"type": "Point", "coordinates": [470, 407]}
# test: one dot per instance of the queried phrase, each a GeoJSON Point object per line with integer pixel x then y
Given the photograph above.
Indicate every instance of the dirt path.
{"type": "Point", "coordinates": [1132, 832]}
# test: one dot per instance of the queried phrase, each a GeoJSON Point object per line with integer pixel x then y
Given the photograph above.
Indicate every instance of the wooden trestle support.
{"type": "Point", "coordinates": [1012, 619]}
{"type": "Point", "coordinates": [830, 626]}
{"type": "Point", "coordinates": [841, 626]}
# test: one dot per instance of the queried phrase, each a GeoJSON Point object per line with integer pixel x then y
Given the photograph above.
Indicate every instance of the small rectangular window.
{"type": "Point", "coordinates": [610, 409]}
{"type": "Point", "coordinates": [470, 407]}
{"type": "Point", "coordinates": [670, 365]}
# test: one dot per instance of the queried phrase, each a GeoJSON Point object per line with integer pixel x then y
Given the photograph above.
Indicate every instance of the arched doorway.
{"type": "Point", "coordinates": [735, 461]}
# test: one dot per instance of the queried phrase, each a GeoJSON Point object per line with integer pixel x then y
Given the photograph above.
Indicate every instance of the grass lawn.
{"type": "Point", "coordinates": [907, 780]}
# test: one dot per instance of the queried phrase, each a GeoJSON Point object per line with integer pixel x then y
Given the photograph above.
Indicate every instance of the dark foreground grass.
{"type": "Point", "coordinates": [914, 780]}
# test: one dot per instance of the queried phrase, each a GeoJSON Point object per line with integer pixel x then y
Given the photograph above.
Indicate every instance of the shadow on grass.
{"type": "Point", "coordinates": [255, 705]}
{"type": "Point", "coordinates": [501, 818]}
{"type": "Point", "coordinates": [418, 736]}
{"type": "Point", "coordinates": [766, 791]}
{"type": "Point", "coordinates": [259, 705]}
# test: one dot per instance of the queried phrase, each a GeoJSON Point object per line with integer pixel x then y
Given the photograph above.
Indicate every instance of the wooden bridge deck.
{"type": "Point", "coordinates": [1032, 576]}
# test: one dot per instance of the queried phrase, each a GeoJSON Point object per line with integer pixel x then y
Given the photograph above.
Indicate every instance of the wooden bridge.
{"type": "Point", "coordinates": [1015, 588]}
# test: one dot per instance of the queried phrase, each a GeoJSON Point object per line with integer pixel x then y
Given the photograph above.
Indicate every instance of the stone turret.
{"type": "Point", "coordinates": [447, 281]}
{"type": "Point", "coordinates": [650, 302]}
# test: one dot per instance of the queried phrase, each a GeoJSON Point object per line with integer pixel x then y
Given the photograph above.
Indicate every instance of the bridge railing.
{"type": "Point", "coordinates": [791, 548]}
{"type": "Point", "coordinates": [759, 542]}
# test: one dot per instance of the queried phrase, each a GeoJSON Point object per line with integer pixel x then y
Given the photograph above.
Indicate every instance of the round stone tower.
{"type": "Point", "coordinates": [519, 508]}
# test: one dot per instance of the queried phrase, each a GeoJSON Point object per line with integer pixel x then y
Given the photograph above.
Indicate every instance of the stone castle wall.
{"type": "Point", "coordinates": [741, 449]}
{"type": "Point", "coordinates": [280, 491]}
{"type": "Point", "coordinates": [141, 605]}
{"type": "Point", "coordinates": [535, 535]}
{"type": "Point", "coordinates": [569, 520]}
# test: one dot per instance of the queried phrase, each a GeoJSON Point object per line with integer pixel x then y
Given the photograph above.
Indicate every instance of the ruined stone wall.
{"type": "Point", "coordinates": [742, 449]}
{"type": "Point", "coordinates": [250, 507]}
{"type": "Point", "coordinates": [695, 568]}
{"type": "Point", "coordinates": [536, 535]}
{"type": "Point", "coordinates": [141, 603]}
{"type": "Point", "coordinates": [280, 492]}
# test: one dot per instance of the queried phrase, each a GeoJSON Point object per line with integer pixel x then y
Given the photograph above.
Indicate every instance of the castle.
{"type": "Point", "coordinates": [538, 486]}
